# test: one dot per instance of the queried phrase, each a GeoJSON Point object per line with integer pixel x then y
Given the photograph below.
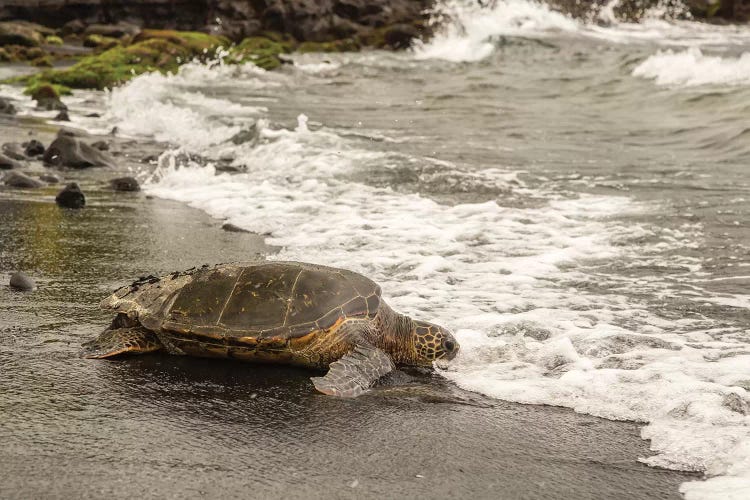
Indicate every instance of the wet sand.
{"type": "Point", "coordinates": [158, 426]}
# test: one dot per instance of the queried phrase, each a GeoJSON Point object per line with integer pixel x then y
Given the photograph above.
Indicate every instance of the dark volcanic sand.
{"type": "Point", "coordinates": [161, 426]}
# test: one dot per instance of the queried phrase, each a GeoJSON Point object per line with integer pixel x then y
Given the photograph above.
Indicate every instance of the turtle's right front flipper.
{"type": "Point", "coordinates": [354, 373]}
{"type": "Point", "coordinates": [112, 342]}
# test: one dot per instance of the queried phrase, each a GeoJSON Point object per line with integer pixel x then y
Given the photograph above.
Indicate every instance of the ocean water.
{"type": "Point", "coordinates": [570, 197]}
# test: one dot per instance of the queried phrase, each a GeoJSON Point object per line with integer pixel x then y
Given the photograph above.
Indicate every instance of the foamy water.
{"type": "Point", "coordinates": [576, 293]}
{"type": "Point", "coordinates": [691, 67]}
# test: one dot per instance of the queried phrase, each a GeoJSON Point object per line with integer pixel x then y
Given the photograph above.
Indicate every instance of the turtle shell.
{"type": "Point", "coordinates": [281, 300]}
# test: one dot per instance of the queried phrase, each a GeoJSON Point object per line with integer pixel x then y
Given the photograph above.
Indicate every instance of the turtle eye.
{"type": "Point", "coordinates": [449, 345]}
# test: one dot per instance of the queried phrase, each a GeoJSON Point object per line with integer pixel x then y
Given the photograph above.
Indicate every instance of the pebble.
{"type": "Point", "coordinates": [20, 281]}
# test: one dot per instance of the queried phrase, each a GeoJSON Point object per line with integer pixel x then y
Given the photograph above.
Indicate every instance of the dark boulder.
{"type": "Point", "coordinates": [6, 108]}
{"type": "Point", "coordinates": [19, 180]}
{"type": "Point", "coordinates": [400, 36]}
{"type": "Point", "coordinates": [67, 151]}
{"type": "Point", "coordinates": [125, 184]}
{"type": "Point", "coordinates": [33, 148]}
{"type": "Point", "coordinates": [8, 163]}
{"type": "Point", "coordinates": [20, 281]}
{"type": "Point", "coordinates": [20, 33]}
{"type": "Point", "coordinates": [71, 197]}
{"type": "Point", "coordinates": [14, 150]}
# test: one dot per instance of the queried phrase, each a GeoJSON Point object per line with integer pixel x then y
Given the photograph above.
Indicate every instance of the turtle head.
{"type": "Point", "coordinates": [433, 342]}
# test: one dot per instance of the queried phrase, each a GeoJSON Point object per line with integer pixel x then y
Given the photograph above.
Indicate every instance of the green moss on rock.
{"type": "Point", "coordinates": [162, 51]}
{"type": "Point", "coordinates": [42, 90]}
{"type": "Point", "coordinates": [53, 40]}
{"type": "Point", "coordinates": [260, 51]}
{"type": "Point", "coordinates": [100, 42]}
{"type": "Point", "coordinates": [344, 45]}
{"type": "Point", "coordinates": [42, 62]}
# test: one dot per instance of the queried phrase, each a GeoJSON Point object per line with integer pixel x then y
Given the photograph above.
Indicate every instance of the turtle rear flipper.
{"type": "Point", "coordinates": [354, 373]}
{"type": "Point", "coordinates": [112, 342]}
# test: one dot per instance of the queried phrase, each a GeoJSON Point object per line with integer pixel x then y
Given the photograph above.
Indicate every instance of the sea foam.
{"type": "Point", "coordinates": [691, 67]}
{"type": "Point", "coordinates": [469, 30]}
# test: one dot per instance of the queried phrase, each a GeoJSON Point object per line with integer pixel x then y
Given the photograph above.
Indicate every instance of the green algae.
{"type": "Point", "coordinates": [261, 51]}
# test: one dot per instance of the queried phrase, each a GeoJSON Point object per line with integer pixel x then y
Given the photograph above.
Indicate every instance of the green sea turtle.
{"type": "Point", "coordinates": [277, 312]}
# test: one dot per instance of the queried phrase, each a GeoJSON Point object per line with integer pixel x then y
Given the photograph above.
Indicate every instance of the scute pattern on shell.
{"type": "Point", "coordinates": [281, 300]}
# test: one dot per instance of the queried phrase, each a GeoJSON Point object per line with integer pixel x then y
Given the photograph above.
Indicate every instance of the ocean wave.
{"type": "Point", "coordinates": [468, 30]}
{"type": "Point", "coordinates": [692, 68]}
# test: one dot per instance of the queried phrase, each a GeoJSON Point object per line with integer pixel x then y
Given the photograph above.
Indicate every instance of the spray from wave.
{"type": "Point", "coordinates": [692, 68]}
{"type": "Point", "coordinates": [470, 30]}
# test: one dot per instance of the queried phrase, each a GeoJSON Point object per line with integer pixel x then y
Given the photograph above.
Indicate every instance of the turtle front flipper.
{"type": "Point", "coordinates": [112, 342]}
{"type": "Point", "coordinates": [354, 373]}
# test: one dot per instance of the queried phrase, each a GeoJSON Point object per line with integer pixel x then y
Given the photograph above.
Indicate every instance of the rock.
{"type": "Point", "coordinates": [50, 179]}
{"type": "Point", "coordinates": [62, 116]}
{"type": "Point", "coordinates": [74, 27]}
{"type": "Point", "coordinates": [21, 181]}
{"type": "Point", "coordinates": [6, 108]}
{"type": "Point", "coordinates": [736, 403]}
{"type": "Point", "coordinates": [67, 151]}
{"type": "Point", "coordinates": [8, 163]}
{"type": "Point", "coordinates": [20, 281]}
{"type": "Point", "coordinates": [125, 184]}
{"type": "Point", "coordinates": [33, 148]}
{"type": "Point", "coordinates": [14, 150]}
{"type": "Point", "coordinates": [47, 96]}
{"type": "Point", "coordinates": [19, 33]}
{"type": "Point", "coordinates": [100, 42]}
{"type": "Point", "coordinates": [100, 145]}
{"type": "Point", "coordinates": [233, 229]}
{"type": "Point", "coordinates": [71, 197]}
{"type": "Point", "coordinates": [400, 36]}
{"type": "Point", "coordinates": [118, 30]}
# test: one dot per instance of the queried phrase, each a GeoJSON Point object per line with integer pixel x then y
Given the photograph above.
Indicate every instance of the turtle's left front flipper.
{"type": "Point", "coordinates": [355, 373]}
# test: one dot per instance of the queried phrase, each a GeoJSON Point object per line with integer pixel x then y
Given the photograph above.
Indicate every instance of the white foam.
{"type": "Point", "coordinates": [468, 34]}
{"type": "Point", "coordinates": [691, 67]}
{"type": "Point", "coordinates": [173, 107]}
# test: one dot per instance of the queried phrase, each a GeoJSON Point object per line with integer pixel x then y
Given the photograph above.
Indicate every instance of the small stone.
{"type": "Point", "coordinates": [736, 403]}
{"type": "Point", "coordinates": [93, 115]}
{"type": "Point", "coordinates": [125, 184]}
{"type": "Point", "coordinates": [14, 150]}
{"type": "Point", "coordinates": [62, 116]}
{"type": "Point", "coordinates": [100, 145]}
{"type": "Point", "coordinates": [19, 180]}
{"type": "Point", "coordinates": [21, 282]}
{"type": "Point", "coordinates": [50, 179]}
{"type": "Point", "coordinates": [8, 163]}
{"type": "Point", "coordinates": [6, 108]}
{"type": "Point", "coordinates": [34, 148]}
{"type": "Point", "coordinates": [233, 229]}
{"type": "Point", "coordinates": [71, 197]}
